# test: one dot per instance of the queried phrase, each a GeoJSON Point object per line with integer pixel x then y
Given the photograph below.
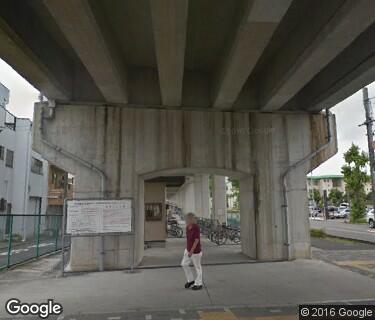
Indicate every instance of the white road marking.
{"type": "Point", "coordinates": [182, 311]}
{"type": "Point", "coordinates": [275, 310]}
{"type": "Point", "coordinates": [114, 318]}
{"type": "Point", "coordinates": [148, 317]}
{"type": "Point", "coordinates": [16, 251]}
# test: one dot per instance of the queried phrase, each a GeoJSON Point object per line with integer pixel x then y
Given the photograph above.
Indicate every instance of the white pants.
{"type": "Point", "coordinates": [195, 259]}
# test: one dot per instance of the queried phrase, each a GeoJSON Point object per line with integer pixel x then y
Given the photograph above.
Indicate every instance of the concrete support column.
{"type": "Point", "coordinates": [270, 155]}
{"type": "Point", "coordinates": [133, 145]}
{"type": "Point", "coordinates": [202, 195]}
{"type": "Point", "coordinates": [248, 219]}
{"type": "Point", "coordinates": [282, 226]}
{"type": "Point", "coordinates": [298, 225]}
{"type": "Point", "coordinates": [219, 199]}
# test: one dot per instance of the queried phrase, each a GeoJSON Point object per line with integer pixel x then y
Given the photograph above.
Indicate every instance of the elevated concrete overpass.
{"type": "Point", "coordinates": [199, 54]}
{"type": "Point", "coordinates": [139, 89]}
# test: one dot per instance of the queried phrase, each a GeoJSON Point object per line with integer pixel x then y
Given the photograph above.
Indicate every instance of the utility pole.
{"type": "Point", "coordinates": [370, 139]}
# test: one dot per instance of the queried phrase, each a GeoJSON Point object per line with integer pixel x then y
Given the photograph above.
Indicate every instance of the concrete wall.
{"type": "Point", "coordinates": [133, 145]}
{"type": "Point", "coordinates": [156, 230]}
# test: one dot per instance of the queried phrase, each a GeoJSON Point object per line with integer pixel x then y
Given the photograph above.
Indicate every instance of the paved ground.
{"type": "Point", "coordinates": [150, 291]}
{"type": "Point", "coordinates": [277, 313]}
{"type": "Point", "coordinates": [171, 255]}
{"type": "Point", "coordinates": [341, 272]}
{"type": "Point", "coordinates": [354, 256]}
{"type": "Point", "coordinates": [339, 228]}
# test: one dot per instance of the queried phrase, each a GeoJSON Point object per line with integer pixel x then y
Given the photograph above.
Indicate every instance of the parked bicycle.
{"type": "Point", "coordinates": [174, 230]}
{"type": "Point", "coordinates": [223, 234]}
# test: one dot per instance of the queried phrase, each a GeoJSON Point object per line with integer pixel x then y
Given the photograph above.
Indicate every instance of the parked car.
{"type": "Point", "coordinates": [344, 213]}
{"type": "Point", "coordinates": [332, 212]}
{"type": "Point", "coordinates": [316, 212]}
{"type": "Point", "coordinates": [370, 218]}
{"type": "Point", "coordinates": [343, 205]}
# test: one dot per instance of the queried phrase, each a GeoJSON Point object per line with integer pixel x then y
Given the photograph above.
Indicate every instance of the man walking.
{"type": "Point", "coordinates": [192, 254]}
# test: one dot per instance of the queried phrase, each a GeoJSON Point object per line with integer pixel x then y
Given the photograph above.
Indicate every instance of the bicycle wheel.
{"type": "Point", "coordinates": [237, 237]}
{"type": "Point", "coordinates": [221, 238]}
{"type": "Point", "coordinates": [179, 233]}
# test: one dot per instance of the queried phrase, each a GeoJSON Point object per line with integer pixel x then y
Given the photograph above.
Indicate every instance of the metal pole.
{"type": "Point", "coordinates": [66, 177]}
{"type": "Point", "coordinates": [38, 233]}
{"type": "Point", "coordinates": [370, 139]}
{"type": "Point", "coordinates": [134, 240]}
{"type": "Point", "coordinates": [63, 240]}
{"type": "Point", "coordinates": [56, 224]}
{"type": "Point", "coordinates": [10, 240]}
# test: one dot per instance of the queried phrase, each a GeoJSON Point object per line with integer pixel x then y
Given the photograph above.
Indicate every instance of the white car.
{"type": "Point", "coordinates": [344, 213]}
{"type": "Point", "coordinates": [370, 218]}
{"type": "Point", "coordinates": [343, 206]}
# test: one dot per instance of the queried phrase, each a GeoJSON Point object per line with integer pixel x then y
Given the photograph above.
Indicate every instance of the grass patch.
{"type": "Point", "coordinates": [359, 221]}
{"type": "Point", "coordinates": [318, 233]}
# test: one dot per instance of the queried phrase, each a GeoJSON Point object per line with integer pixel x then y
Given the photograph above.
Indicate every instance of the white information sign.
{"type": "Point", "coordinates": [99, 216]}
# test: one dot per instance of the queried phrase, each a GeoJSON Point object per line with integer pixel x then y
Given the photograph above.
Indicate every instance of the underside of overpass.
{"type": "Point", "coordinates": [140, 88]}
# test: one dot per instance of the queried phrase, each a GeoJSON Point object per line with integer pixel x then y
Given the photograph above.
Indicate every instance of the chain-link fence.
{"type": "Point", "coordinates": [26, 237]}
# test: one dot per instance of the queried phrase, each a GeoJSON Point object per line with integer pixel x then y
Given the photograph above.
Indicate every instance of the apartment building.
{"type": "Point", "coordinates": [23, 172]}
{"type": "Point", "coordinates": [329, 182]}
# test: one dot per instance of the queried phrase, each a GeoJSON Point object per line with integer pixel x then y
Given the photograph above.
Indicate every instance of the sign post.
{"type": "Point", "coordinates": [95, 217]}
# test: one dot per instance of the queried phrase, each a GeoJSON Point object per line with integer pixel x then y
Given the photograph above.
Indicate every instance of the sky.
{"type": "Point", "coordinates": [349, 114]}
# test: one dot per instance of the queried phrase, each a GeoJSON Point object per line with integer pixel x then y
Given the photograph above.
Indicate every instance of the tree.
{"type": "Point", "coordinates": [355, 178]}
{"type": "Point", "coordinates": [317, 198]}
{"type": "Point", "coordinates": [235, 194]}
{"type": "Point", "coordinates": [335, 197]}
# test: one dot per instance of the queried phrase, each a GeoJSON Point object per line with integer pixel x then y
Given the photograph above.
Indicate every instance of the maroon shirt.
{"type": "Point", "coordinates": [192, 234]}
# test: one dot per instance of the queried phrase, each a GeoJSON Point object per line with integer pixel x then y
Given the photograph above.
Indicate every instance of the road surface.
{"type": "Point", "coordinates": [339, 228]}
{"type": "Point", "coordinates": [26, 251]}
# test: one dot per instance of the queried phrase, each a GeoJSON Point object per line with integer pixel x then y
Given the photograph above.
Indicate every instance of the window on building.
{"type": "Point", "coordinates": [336, 183]}
{"type": "Point", "coordinates": [9, 159]}
{"type": "Point", "coordinates": [2, 152]}
{"type": "Point", "coordinates": [36, 166]}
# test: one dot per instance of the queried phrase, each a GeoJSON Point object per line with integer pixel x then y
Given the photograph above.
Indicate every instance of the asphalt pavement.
{"type": "Point", "coordinates": [26, 251]}
{"type": "Point", "coordinates": [146, 293]}
{"type": "Point", "coordinates": [340, 228]}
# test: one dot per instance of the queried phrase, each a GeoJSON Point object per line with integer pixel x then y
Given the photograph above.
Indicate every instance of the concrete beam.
{"type": "Point", "coordinates": [353, 69]}
{"type": "Point", "coordinates": [79, 24]}
{"type": "Point", "coordinates": [31, 68]}
{"type": "Point", "coordinates": [287, 76]}
{"type": "Point", "coordinates": [169, 18]}
{"type": "Point", "coordinates": [260, 20]}
{"type": "Point", "coordinates": [32, 51]}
